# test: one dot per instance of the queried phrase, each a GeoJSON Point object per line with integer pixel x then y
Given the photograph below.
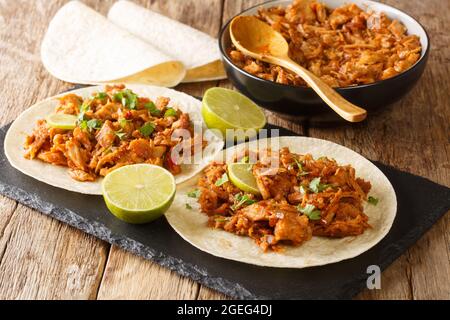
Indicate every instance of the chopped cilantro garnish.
{"type": "Point", "coordinates": [222, 180]}
{"type": "Point", "coordinates": [123, 122]}
{"type": "Point", "coordinates": [83, 125]}
{"type": "Point", "coordinates": [147, 129]}
{"type": "Point", "coordinates": [188, 206]}
{"type": "Point", "coordinates": [301, 171]}
{"type": "Point", "coordinates": [316, 187]}
{"type": "Point", "coordinates": [373, 201]}
{"type": "Point", "coordinates": [303, 190]}
{"type": "Point", "coordinates": [170, 112]}
{"type": "Point", "coordinates": [83, 108]}
{"type": "Point", "coordinates": [194, 194]}
{"type": "Point", "coordinates": [132, 100]}
{"type": "Point", "coordinates": [151, 107]}
{"type": "Point", "coordinates": [94, 124]}
{"type": "Point", "coordinates": [242, 200]}
{"type": "Point", "coordinates": [310, 211]}
{"type": "Point", "coordinates": [120, 134]}
{"type": "Point", "coordinates": [127, 97]}
{"type": "Point", "coordinates": [299, 164]}
{"type": "Point", "coordinates": [101, 96]}
{"type": "Point", "coordinates": [82, 122]}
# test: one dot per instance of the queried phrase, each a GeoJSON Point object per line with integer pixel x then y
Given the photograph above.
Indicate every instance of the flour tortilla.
{"type": "Point", "coordinates": [58, 176]}
{"type": "Point", "coordinates": [82, 46]}
{"type": "Point", "coordinates": [198, 51]}
{"type": "Point", "coordinates": [192, 224]}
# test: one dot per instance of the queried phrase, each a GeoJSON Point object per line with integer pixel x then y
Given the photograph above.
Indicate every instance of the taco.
{"type": "Point", "coordinates": [311, 202]}
{"type": "Point", "coordinates": [82, 46]}
{"type": "Point", "coordinates": [198, 51]}
{"type": "Point", "coordinates": [104, 128]}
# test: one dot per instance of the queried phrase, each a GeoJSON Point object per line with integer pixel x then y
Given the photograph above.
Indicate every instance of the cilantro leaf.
{"type": "Point", "coordinates": [123, 122]}
{"type": "Point", "coordinates": [100, 96]}
{"type": "Point", "coordinates": [194, 194]}
{"type": "Point", "coordinates": [151, 107]}
{"type": "Point", "coordinates": [119, 97]}
{"type": "Point", "coordinates": [188, 206]}
{"type": "Point", "coordinates": [94, 124]}
{"type": "Point", "coordinates": [303, 190]}
{"type": "Point", "coordinates": [83, 125]}
{"type": "Point", "coordinates": [241, 200]}
{"type": "Point", "coordinates": [301, 171]}
{"type": "Point", "coordinates": [307, 209]}
{"type": "Point", "coordinates": [83, 108]}
{"type": "Point", "coordinates": [310, 211]}
{"type": "Point", "coordinates": [373, 201]}
{"type": "Point", "coordinates": [120, 134]}
{"type": "Point", "coordinates": [222, 180]}
{"type": "Point", "coordinates": [316, 187]}
{"type": "Point", "coordinates": [128, 98]}
{"type": "Point", "coordinates": [132, 100]}
{"type": "Point", "coordinates": [170, 112]}
{"type": "Point", "coordinates": [299, 164]}
{"type": "Point", "coordinates": [147, 129]}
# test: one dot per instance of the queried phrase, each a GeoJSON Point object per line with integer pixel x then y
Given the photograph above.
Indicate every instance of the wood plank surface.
{"type": "Point", "coordinates": [45, 259]}
{"type": "Point", "coordinates": [41, 258]}
{"type": "Point", "coordinates": [130, 277]}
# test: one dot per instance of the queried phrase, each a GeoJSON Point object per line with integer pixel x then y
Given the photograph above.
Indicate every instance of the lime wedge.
{"type": "Point", "coordinates": [62, 121]}
{"type": "Point", "coordinates": [228, 109]}
{"type": "Point", "coordinates": [139, 193]}
{"type": "Point", "coordinates": [241, 176]}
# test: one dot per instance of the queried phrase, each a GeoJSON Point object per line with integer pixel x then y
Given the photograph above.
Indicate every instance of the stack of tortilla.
{"type": "Point", "coordinates": [133, 46]}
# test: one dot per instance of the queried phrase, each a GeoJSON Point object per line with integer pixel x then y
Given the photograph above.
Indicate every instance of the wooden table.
{"type": "Point", "coordinates": [41, 258]}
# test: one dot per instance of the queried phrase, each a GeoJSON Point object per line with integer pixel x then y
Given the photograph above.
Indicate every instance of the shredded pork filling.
{"type": "Point", "coordinates": [302, 198]}
{"type": "Point", "coordinates": [344, 47]}
{"type": "Point", "coordinates": [114, 128]}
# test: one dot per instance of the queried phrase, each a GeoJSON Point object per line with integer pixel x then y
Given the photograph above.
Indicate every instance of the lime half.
{"type": "Point", "coordinates": [62, 121]}
{"type": "Point", "coordinates": [228, 109]}
{"type": "Point", "coordinates": [241, 176]}
{"type": "Point", "coordinates": [139, 193]}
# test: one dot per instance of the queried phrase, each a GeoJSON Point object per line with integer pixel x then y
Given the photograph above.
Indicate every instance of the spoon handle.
{"type": "Point", "coordinates": [342, 107]}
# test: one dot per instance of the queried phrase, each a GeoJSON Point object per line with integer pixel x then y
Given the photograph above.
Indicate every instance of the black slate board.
{"type": "Point", "coordinates": [159, 243]}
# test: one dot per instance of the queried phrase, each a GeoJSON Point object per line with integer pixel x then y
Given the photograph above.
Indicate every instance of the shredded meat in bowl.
{"type": "Point", "coordinates": [114, 128]}
{"type": "Point", "coordinates": [303, 198]}
{"type": "Point", "coordinates": [344, 47]}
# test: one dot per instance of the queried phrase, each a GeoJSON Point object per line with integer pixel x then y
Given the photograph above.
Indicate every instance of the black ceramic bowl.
{"type": "Point", "coordinates": [303, 102]}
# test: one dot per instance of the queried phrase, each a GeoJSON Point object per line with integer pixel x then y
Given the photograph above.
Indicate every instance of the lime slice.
{"type": "Point", "coordinates": [139, 193]}
{"type": "Point", "coordinates": [227, 109]}
{"type": "Point", "coordinates": [62, 121]}
{"type": "Point", "coordinates": [241, 176]}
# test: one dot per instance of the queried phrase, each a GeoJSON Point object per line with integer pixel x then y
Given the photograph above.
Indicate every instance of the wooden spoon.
{"type": "Point", "coordinates": [258, 40]}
